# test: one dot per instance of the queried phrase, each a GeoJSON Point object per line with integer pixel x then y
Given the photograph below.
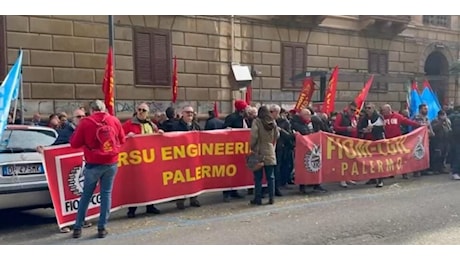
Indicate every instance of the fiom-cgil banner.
{"type": "Point", "coordinates": [324, 157]}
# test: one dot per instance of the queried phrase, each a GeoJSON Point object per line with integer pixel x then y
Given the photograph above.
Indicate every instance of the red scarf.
{"type": "Point", "coordinates": [305, 121]}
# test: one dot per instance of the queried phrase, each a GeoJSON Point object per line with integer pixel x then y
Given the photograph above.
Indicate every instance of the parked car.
{"type": "Point", "coordinates": [22, 173]}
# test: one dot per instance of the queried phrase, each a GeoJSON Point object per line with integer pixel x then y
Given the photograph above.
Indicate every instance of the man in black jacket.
{"type": "Point", "coordinates": [167, 125]}
{"type": "Point", "coordinates": [372, 127]}
{"type": "Point", "coordinates": [284, 150]}
{"type": "Point", "coordinates": [236, 119]}
{"type": "Point", "coordinates": [186, 123]}
{"type": "Point", "coordinates": [213, 123]}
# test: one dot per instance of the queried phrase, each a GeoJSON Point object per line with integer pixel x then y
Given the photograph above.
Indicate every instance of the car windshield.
{"type": "Point", "coordinates": [26, 139]}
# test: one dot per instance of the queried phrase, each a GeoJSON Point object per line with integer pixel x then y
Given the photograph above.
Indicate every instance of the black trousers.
{"type": "Point", "coordinates": [284, 167]}
{"type": "Point", "coordinates": [438, 154]}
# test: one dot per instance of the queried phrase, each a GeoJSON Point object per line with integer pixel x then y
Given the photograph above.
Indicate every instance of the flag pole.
{"type": "Point", "coordinates": [14, 110]}
{"type": "Point", "coordinates": [111, 44]}
{"type": "Point", "coordinates": [22, 98]}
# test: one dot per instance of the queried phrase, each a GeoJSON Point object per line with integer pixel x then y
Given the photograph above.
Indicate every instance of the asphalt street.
{"type": "Point", "coordinates": [422, 210]}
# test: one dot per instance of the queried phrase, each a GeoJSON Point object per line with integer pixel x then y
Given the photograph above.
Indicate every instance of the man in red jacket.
{"type": "Point", "coordinates": [393, 122]}
{"type": "Point", "coordinates": [141, 124]}
{"type": "Point", "coordinates": [345, 122]}
{"type": "Point", "coordinates": [101, 136]}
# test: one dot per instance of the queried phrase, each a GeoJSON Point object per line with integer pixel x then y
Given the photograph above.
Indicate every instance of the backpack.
{"type": "Point", "coordinates": [106, 139]}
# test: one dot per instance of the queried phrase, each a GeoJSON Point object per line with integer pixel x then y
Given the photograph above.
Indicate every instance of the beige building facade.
{"type": "Point", "coordinates": [64, 58]}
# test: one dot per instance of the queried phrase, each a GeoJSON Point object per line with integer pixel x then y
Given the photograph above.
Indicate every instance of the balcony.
{"type": "Point", "coordinates": [303, 21]}
{"type": "Point", "coordinates": [383, 26]}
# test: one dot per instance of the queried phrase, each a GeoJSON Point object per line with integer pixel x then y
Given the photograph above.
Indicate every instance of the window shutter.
{"type": "Point", "coordinates": [299, 64]}
{"type": "Point", "coordinates": [287, 64]}
{"type": "Point", "coordinates": [373, 66]}
{"type": "Point", "coordinates": [161, 58]}
{"type": "Point", "coordinates": [383, 63]}
{"type": "Point", "coordinates": [293, 62]}
{"type": "Point", "coordinates": [143, 59]}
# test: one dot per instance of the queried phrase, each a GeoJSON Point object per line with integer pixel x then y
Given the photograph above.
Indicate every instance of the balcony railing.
{"type": "Point", "coordinates": [384, 26]}
{"type": "Point", "coordinates": [298, 20]}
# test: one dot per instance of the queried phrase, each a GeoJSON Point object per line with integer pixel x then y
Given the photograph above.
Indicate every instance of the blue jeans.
{"type": "Point", "coordinates": [94, 173]}
{"type": "Point", "coordinates": [270, 176]}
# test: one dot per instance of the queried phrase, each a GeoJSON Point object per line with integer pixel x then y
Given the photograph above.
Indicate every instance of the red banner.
{"type": "Point", "coordinates": [361, 98]}
{"type": "Point", "coordinates": [324, 157]}
{"type": "Point", "coordinates": [175, 81]}
{"type": "Point", "coordinates": [107, 83]}
{"type": "Point", "coordinates": [248, 95]}
{"type": "Point", "coordinates": [306, 94]}
{"type": "Point", "coordinates": [153, 169]}
{"type": "Point", "coordinates": [329, 99]}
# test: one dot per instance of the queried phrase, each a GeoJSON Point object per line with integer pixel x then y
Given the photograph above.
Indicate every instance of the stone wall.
{"type": "Point", "coordinates": [64, 60]}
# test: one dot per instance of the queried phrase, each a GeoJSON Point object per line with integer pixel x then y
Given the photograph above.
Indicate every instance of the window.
{"type": "Point", "coordinates": [3, 60]}
{"type": "Point", "coordinates": [293, 62]}
{"type": "Point", "coordinates": [437, 20]}
{"type": "Point", "coordinates": [27, 139]}
{"type": "Point", "coordinates": [378, 64]}
{"type": "Point", "coordinates": [152, 57]}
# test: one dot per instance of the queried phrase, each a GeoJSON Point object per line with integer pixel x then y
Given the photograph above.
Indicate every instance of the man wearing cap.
{"type": "Point", "coordinates": [237, 119]}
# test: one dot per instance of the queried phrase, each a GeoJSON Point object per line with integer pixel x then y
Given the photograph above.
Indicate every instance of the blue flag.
{"type": "Point", "coordinates": [9, 91]}
{"type": "Point", "coordinates": [414, 100]}
{"type": "Point", "coordinates": [426, 84]}
{"type": "Point", "coordinates": [429, 98]}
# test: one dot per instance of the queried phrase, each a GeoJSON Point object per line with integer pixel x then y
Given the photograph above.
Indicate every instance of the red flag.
{"type": "Point", "coordinates": [305, 95]}
{"type": "Point", "coordinates": [248, 97]}
{"type": "Point", "coordinates": [174, 81]}
{"type": "Point", "coordinates": [361, 98]}
{"type": "Point", "coordinates": [329, 100]}
{"type": "Point", "coordinates": [107, 83]}
{"type": "Point", "coordinates": [216, 111]}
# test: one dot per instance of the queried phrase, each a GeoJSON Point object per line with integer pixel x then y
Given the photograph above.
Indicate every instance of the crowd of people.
{"type": "Point", "coordinates": [273, 131]}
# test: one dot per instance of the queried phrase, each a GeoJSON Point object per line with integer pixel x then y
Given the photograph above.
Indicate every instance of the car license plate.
{"type": "Point", "coordinates": [22, 169]}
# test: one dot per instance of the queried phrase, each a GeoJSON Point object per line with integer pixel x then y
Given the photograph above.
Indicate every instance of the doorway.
{"type": "Point", "coordinates": [437, 73]}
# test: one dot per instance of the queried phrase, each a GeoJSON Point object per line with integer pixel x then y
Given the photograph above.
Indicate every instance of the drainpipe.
{"type": "Point", "coordinates": [233, 39]}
